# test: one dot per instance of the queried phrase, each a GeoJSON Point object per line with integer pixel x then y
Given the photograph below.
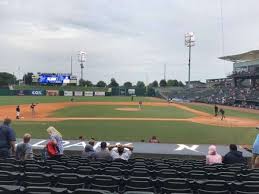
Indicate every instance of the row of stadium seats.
{"type": "Point", "coordinates": [68, 184]}
{"type": "Point", "coordinates": [200, 174]}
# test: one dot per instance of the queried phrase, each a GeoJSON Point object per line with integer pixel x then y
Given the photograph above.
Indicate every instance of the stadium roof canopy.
{"type": "Point", "coordinates": [243, 57]}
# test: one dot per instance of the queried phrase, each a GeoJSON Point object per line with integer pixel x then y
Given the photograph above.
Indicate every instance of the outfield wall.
{"type": "Point", "coordinates": [117, 91]}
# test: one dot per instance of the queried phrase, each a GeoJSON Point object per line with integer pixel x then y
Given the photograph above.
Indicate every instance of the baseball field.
{"type": "Point", "coordinates": [120, 119]}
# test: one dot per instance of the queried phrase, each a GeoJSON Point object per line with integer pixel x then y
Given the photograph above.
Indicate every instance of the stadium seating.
{"type": "Point", "coordinates": [138, 175]}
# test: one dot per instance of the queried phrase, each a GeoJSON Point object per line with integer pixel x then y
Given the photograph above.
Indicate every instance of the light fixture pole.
{"type": "Point", "coordinates": [81, 60]}
{"type": "Point", "coordinates": [189, 42]}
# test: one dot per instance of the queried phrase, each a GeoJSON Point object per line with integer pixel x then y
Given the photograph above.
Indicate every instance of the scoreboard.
{"type": "Point", "coordinates": [54, 78]}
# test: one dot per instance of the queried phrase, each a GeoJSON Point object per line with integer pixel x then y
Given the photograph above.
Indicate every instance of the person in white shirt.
{"type": "Point", "coordinates": [121, 151]}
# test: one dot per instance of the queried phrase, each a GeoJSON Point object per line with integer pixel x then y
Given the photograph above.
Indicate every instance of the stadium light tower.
{"type": "Point", "coordinates": [82, 59]}
{"type": "Point", "coordinates": [189, 42]}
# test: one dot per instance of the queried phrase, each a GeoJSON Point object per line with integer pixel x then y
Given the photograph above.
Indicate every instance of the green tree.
{"type": "Point", "coordinates": [88, 83]}
{"type": "Point", "coordinates": [172, 82]}
{"type": "Point", "coordinates": [162, 83]}
{"type": "Point", "coordinates": [101, 84]}
{"type": "Point", "coordinates": [154, 84]}
{"type": "Point", "coordinates": [140, 84]}
{"type": "Point", "coordinates": [7, 79]}
{"type": "Point", "coordinates": [151, 91]}
{"type": "Point", "coordinates": [82, 82]}
{"type": "Point", "coordinates": [127, 84]}
{"type": "Point", "coordinates": [28, 78]}
{"type": "Point", "coordinates": [113, 83]}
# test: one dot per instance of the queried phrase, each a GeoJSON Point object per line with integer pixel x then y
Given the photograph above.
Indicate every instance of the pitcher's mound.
{"type": "Point", "coordinates": [128, 109]}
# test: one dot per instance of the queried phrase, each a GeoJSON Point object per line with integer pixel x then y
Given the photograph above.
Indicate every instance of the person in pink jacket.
{"type": "Point", "coordinates": [213, 157]}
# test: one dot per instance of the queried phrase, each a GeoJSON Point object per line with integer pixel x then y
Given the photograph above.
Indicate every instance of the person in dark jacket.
{"type": "Point", "coordinates": [233, 156]}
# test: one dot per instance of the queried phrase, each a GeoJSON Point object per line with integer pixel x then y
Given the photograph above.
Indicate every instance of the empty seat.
{"type": "Point", "coordinates": [139, 184]}
{"type": "Point", "coordinates": [70, 181]}
{"type": "Point", "coordinates": [104, 182]}
{"type": "Point", "coordinates": [9, 189]}
{"type": "Point", "coordinates": [37, 179]}
{"type": "Point", "coordinates": [200, 191]}
{"type": "Point", "coordinates": [212, 185]}
{"type": "Point", "coordinates": [44, 190]}
{"type": "Point", "coordinates": [9, 178]}
{"type": "Point", "coordinates": [90, 191]}
{"type": "Point", "coordinates": [175, 185]}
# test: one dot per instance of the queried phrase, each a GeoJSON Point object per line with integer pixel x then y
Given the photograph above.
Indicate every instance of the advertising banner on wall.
{"type": "Point", "coordinates": [99, 93]}
{"type": "Point", "coordinates": [38, 92]}
{"type": "Point", "coordinates": [30, 92]}
{"type": "Point", "coordinates": [131, 91]}
{"type": "Point", "coordinates": [78, 93]}
{"type": "Point", "coordinates": [89, 93]}
{"type": "Point", "coordinates": [68, 93]}
{"type": "Point", "coordinates": [52, 92]}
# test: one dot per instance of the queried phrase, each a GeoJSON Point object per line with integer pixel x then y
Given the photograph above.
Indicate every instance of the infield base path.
{"type": "Point", "coordinates": [43, 113]}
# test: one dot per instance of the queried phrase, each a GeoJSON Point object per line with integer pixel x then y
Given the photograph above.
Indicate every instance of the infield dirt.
{"type": "Point", "coordinates": [44, 110]}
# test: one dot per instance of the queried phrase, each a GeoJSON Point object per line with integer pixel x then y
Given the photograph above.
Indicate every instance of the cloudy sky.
{"type": "Point", "coordinates": [125, 39]}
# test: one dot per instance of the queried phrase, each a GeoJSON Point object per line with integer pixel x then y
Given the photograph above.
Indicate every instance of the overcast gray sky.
{"type": "Point", "coordinates": [125, 39]}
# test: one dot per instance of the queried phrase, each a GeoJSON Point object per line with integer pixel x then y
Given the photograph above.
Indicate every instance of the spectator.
{"type": "Point", "coordinates": [81, 138]}
{"type": "Point", "coordinates": [119, 151]}
{"type": "Point", "coordinates": [153, 140]}
{"type": "Point", "coordinates": [91, 142]}
{"type": "Point", "coordinates": [213, 157]}
{"type": "Point", "coordinates": [24, 150]}
{"type": "Point", "coordinates": [233, 156]}
{"type": "Point", "coordinates": [55, 139]}
{"type": "Point", "coordinates": [89, 152]}
{"type": "Point", "coordinates": [255, 151]}
{"type": "Point", "coordinates": [7, 139]}
{"type": "Point", "coordinates": [103, 153]}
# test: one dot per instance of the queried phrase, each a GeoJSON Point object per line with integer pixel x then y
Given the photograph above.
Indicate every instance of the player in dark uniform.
{"type": "Point", "coordinates": [33, 109]}
{"type": "Point", "coordinates": [222, 112]}
{"type": "Point", "coordinates": [18, 111]}
{"type": "Point", "coordinates": [132, 98]}
{"type": "Point", "coordinates": [216, 110]}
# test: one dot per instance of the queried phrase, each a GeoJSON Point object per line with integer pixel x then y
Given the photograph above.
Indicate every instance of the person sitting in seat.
{"type": "Point", "coordinates": [213, 157]}
{"type": "Point", "coordinates": [89, 152]}
{"type": "Point", "coordinates": [24, 150]}
{"type": "Point", "coordinates": [121, 151]}
{"type": "Point", "coordinates": [233, 156]}
{"type": "Point", "coordinates": [103, 153]}
{"type": "Point", "coordinates": [153, 140]}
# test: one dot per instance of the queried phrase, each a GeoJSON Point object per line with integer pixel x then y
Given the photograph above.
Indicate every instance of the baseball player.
{"type": "Point", "coordinates": [18, 112]}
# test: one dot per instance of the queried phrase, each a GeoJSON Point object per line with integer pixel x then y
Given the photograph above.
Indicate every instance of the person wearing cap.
{"type": "Point", "coordinates": [7, 139]}
{"type": "Point", "coordinates": [213, 157]}
{"type": "Point", "coordinates": [120, 151]}
{"type": "Point", "coordinates": [103, 153]}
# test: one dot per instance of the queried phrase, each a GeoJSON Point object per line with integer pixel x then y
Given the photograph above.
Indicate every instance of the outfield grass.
{"type": "Point", "coordinates": [110, 111]}
{"type": "Point", "coordinates": [228, 112]}
{"type": "Point", "coordinates": [170, 132]}
{"type": "Point", "coordinates": [14, 100]}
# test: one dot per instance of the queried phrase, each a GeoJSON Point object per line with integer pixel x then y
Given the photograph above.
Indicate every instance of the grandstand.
{"type": "Point", "coordinates": [238, 89]}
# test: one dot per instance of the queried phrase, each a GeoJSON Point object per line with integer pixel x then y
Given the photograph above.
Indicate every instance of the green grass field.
{"type": "Point", "coordinates": [14, 100]}
{"type": "Point", "coordinates": [110, 111]}
{"type": "Point", "coordinates": [228, 112]}
{"type": "Point", "coordinates": [169, 132]}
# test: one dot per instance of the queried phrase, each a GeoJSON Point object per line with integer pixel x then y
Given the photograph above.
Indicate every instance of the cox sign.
{"type": "Point", "coordinates": [37, 92]}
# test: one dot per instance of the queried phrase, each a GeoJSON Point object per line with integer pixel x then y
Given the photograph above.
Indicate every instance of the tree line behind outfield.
{"type": "Point", "coordinates": [9, 79]}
